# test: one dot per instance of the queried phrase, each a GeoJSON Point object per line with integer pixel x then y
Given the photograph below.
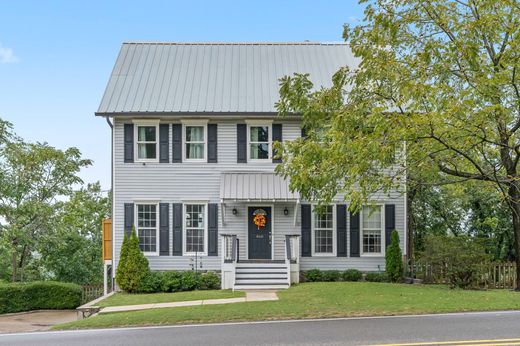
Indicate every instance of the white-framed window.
{"type": "Point", "coordinates": [372, 235]}
{"type": "Point", "coordinates": [194, 136]}
{"type": "Point", "coordinates": [147, 227]}
{"type": "Point", "coordinates": [259, 141]}
{"type": "Point", "coordinates": [195, 230]}
{"type": "Point", "coordinates": [323, 231]}
{"type": "Point", "coordinates": [146, 141]}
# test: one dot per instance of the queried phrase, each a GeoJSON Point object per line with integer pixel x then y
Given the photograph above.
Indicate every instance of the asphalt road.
{"type": "Point", "coordinates": [493, 327]}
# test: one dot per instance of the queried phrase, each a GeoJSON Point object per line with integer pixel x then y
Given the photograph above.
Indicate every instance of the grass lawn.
{"type": "Point", "coordinates": [320, 300]}
{"type": "Point", "coordinates": [119, 299]}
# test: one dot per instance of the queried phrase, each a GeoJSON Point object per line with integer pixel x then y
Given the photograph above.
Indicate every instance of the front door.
{"type": "Point", "coordinates": [259, 235]}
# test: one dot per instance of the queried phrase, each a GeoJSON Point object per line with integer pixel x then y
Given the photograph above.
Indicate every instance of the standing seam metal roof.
{"type": "Point", "coordinates": [169, 77]}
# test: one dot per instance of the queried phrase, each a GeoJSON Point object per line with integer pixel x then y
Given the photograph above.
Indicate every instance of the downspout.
{"type": "Point", "coordinates": [113, 194]}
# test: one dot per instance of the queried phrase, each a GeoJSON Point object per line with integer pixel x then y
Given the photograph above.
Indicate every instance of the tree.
{"type": "Point", "coordinates": [133, 265]}
{"type": "Point", "coordinates": [394, 259]}
{"type": "Point", "coordinates": [33, 179]}
{"type": "Point", "coordinates": [71, 250]}
{"type": "Point", "coordinates": [440, 76]}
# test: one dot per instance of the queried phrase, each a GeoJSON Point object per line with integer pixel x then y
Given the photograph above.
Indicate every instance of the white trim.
{"type": "Point", "coordinates": [113, 187]}
{"type": "Point", "coordinates": [157, 221]}
{"type": "Point", "coordinates": [148, 123]}
{"type": "Point", "coordinates": [334, 235]}
{"type": "Point", "coordinates": [184, 228]}
{"type": "Point", "coordinates": [383, 236]}
{"type": "Point", "coordinates": [259, 123]}
{"type": "Point", "coordinates": [259, 205]}
{"type": "Point", "coordinates": [195, 123]}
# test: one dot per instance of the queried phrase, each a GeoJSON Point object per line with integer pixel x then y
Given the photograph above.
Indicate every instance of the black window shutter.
{"type": "Point", "coordinates": [389, 222]}
{"type": "Point", "coordinates": [304, 133]}
{"type": "Point", "coordinates": [177, 229]}
{"type": "Point", "coordinates": [177, 142]}
{"type": "Point", "coordinates": [341, 228]}
{"type": "Point", "coordinates": [212, 143]}
{"type": "Point", "coordinates": [306, 231]}
{"type": "Point", "coordinates": [212, 229]}
{"type": "Point", "coordinates": [354, 235]}
{"type": "Point", "coordinates": [164, 229]}
{"type": "Point", "coordinates": [129, 218]}
{"type": "Point", "coordinates": [164, 146]}
{"type": "Point", "coordinates": [241, 143]}
{"type": "Point", "coordinates": [277, 137]}
{"type": "Point", "coordinates": [129, 142]}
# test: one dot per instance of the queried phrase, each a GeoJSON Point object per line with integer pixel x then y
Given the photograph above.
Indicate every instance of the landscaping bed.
{"type": "Point", "coordinates": [321, 300]}
{"type": "Point", "coordinates": [119, 299]}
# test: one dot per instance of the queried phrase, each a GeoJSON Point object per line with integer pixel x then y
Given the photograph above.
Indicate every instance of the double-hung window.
{"type": "Point", "coordinates": [147, 228]}
{"type": "Point", "coordinates": [195, 230]}
{"type": "Point", "coordinates": [195, 138]}
{"type": "Point", "coordinates": [323, 231]}
{"type": "Point", "coordinates": [146, 142]}
{"type": "Point", "coordinates": [372, 230]}
{"type": "Point", "coordinates": [259, 139]}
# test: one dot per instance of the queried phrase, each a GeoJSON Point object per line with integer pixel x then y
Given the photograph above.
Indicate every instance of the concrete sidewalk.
{"type": "Point", "coordinates": [251, 296]}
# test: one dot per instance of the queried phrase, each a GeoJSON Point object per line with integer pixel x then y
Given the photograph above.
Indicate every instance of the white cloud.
{"type": "Point", "coordinates": [7, 55]}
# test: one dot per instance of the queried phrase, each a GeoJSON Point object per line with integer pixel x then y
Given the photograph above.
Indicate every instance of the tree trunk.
{"type": "Point", "coordinates": [514, 205]}
{"type": "Point", "coordinates": [411, 229]}
{"type": "Point", "coordinates": [14, 263]}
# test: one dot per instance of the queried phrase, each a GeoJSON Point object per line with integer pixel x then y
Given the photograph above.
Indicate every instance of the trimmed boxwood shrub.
{"type": "Point", "coordinates": [17, 297]}
{"type": "Point", "coordinates": [376, 277]}
{"type": "Point", "coordinates": [178, 281]}
{"type": "Point", "coordinates": [352, 275]}
{"type": "Point", "coordinates": [331, 275]}
{"type": "Point", "coordinates": [313, 275]}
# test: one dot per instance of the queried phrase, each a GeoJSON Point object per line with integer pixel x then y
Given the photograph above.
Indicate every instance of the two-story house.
{"type": "Point", "coordinates": [193, 126]}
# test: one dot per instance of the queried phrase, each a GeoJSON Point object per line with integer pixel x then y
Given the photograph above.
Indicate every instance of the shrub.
{"type": "Point", "coordinates": [313, 275]}
{"type": "Point", "coordinates": [331, 275]}
{"type": "Point", "coordinates": [376, 277]}
{"type": "Point", "coordinates": [352, 275]}
{"type": "Point", "coordinates": [151, 283]}
{"type": "Point", "coordinates": [171, 282]}
{"type": "Point", "coordinates": [394, 259]}
{"type": "Point", "coordinates": [16, 297]}
{"type": "Point", "coordinates": [133, 265]}
{"type": "Point", "coordinates": [209, 281]}
{"type": "Point", "coordinates": [459, 259]}
{"type": "Point", "coordinates": [189, 281]}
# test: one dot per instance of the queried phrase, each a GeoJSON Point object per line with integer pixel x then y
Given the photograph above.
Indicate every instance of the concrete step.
{"type": "Point", "coordinates": [260, 270]}
{"type": "Point", "coordinates": [261, 275]}
{"type": "Point", "coordinates": [261, 265]}
{"type": "Point", "coordinates": [261, 287]}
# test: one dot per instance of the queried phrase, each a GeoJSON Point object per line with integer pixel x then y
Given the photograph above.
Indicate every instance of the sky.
{"type": "Point", "coordinates": [56, 56]}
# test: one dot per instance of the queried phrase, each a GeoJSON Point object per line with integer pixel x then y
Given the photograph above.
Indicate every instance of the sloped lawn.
{"type": "Point", "coordinates": [320, 300]}
{"type": "Point", "coordinates": [119, 299]}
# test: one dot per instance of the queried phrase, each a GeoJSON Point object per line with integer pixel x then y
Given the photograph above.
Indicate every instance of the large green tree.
{"type": "Point", "coordinates": [71, 250]}
{"type": "Point", "coordinates": [34, 180]}
{"type": "Point", "coordinates": [438, 75]}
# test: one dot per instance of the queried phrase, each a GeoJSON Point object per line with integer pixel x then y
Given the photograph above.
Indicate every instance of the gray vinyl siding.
{"type": "Point", "coordinates": [187, 181]}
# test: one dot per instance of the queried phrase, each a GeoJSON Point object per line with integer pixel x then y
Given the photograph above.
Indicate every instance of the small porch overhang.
{"type": "Point", "coordinates": [256, 187]}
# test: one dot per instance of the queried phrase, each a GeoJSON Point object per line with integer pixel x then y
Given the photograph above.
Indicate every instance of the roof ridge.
{"type": "Point", "coordinates": [216, 43]}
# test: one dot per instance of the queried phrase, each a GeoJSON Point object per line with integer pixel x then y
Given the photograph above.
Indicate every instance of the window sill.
{"type": "Point", "coordinates": [324, 254]}
{"type": "Point", "coordinates": [146, 160]}
{"type": "Point", "coordinates": [151, 254]}
{"type": "Point", "coordinates": [193, 254]}
{"type": "Point", "coordinates": [376, 255]}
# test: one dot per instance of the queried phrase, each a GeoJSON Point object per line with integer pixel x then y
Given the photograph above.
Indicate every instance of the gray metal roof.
{"type": "Point", "coordinates": [255, 187]}
{"type": "Point", "coordinates": [165, 78]}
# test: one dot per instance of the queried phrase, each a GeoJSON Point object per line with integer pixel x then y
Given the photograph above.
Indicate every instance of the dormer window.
{"type": "Point", "coordinates": [259, 138]}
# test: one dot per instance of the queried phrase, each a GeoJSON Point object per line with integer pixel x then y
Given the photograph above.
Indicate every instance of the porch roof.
{"type": "Point", "coordinates": [255, 187]}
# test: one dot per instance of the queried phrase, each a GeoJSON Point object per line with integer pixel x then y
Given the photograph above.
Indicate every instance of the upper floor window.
{"type": "Point", "coordinates": [195, 230]}
{"type": "Point", "coordinates": [147, 228]}
{"type": "Point", "coordinates": [195, 138]}
{"type": "Point", "coordinates": [259, 139]}
{"type": "Point", "coordinates": [146, 142]}
{"type": "Point", "coordinates": [323, 231]}
{"type": "Point", "coordinates": [372, 229]}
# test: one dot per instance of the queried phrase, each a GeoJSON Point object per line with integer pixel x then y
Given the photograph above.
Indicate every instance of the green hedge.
{"type": "Point", "coordinates": [16, 297]}
{"type": "Point", "coordinates": [177, 281]}
{"type": "Point", "coordinates": [316, 275]}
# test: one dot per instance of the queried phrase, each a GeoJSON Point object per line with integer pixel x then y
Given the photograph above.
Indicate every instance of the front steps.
{"type": "Point", "coordinates": [261, 276]}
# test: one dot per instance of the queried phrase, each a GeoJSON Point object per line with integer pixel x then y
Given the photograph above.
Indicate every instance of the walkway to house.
{"type": "Point", "coordinates": [251, 296]}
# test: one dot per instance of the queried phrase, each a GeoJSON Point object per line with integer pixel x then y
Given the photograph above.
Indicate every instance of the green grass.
{"type": "Point", "coordinates": [119, 299]}
{"type": "Point", "coordinates": [320, 300]}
